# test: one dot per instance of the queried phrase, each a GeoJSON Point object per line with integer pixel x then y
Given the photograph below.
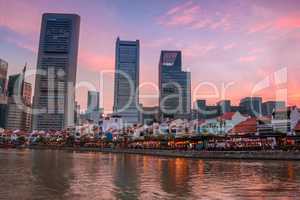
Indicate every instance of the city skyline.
{"type": "Point", "coordinates": [222, 46]}
{"type": "Point", "coordinates": [136, 99]}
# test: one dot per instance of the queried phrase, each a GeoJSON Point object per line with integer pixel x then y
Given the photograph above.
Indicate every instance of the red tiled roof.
{"type": "Point", "coordinates": [245, 127]}
{"type": "Point", "coordinates": [227, 116]}
{"type": "Point", "coordinates": [265, 118]}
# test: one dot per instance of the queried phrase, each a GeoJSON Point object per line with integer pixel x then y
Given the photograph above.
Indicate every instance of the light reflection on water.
{"type": "Point", "coordinates": [48, 174]}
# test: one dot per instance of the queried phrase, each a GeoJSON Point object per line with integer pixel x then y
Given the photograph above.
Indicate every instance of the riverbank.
{"type": "Point", "coordinates": [247, 155]}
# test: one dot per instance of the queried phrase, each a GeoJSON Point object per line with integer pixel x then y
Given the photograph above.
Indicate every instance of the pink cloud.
{"type": "Point", "coordinates": [229, 46]}
{"type": "Point", "coordinates": [24, 44]}
{"type": "Point", "coordinates": [288, 22]}
{"type": "Point", "coordinates": [222, 23]}
{"type": "Point", "coordinates": [197, 50]}
{"type": "Point", "coordinates": [158, 43]}
{"type": "Point", "coordinates": [180, 15]}
{"type": "Point", "coordinates": [94, 61]}
{"type": "Point", "coordinates": [17, 22]}
{"type": "Point", "coordinates": [247, 59]}
{"type": "Point", "coordinates": [259, 27]}
{"type": "Point", "coordinates": [179, 8]}
{"type": "Point", "coordinates": [256, 50]}
{"type": "Point", "coordinates": [190, 15]}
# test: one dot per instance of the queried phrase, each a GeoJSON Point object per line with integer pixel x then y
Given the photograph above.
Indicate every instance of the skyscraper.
{"type": "Point", "coordinates": [3, 97]}
{"type": "Point", "coordinates": [54, 96]}
{"type": "Point", "coordinates": [19, 102]}
{"type": "Point", "coordinates": [93, 109]}
{"type": "Point", "coordinates": [77, 114]}
{"type": "Point", "coordinates": [93, 100]}
{"type": "Point", "coordinates": [27, 93]}
{"type": "Point", "coordinates": [174, 86]}
{"type": "Point", "coordinates": [200, 109]}
{"type": "Point", "coordinates": [269, 107]}
{"type": "Point", "coordinates": [224, 106]}
{"type": "Point", "coordinates": [126, 96]}
{"type": "Point", "coordinates": [251, 106]}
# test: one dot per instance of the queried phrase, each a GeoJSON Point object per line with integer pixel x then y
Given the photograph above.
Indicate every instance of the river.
{"type": "Point", "coordinates": [57, 174]}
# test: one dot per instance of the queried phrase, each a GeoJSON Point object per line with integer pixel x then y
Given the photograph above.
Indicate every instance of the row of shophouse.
{"type": "Point", "coordinates": [282, 121]}
{"type": "Point", "coordinates": [285, 121]}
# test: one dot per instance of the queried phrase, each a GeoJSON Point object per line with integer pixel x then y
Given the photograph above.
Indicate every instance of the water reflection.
{"type": "Point", "coordinates": [51, 173]}
{"type": "Point", "coordinates": [27, 174]}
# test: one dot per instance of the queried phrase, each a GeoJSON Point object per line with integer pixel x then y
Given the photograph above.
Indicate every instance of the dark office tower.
{"type": "Point", "coordinates": [224, 106]}
{"type": "Point", "coordinates": [174, 87]}
{"type": "Point", "coordinates": [54, 96]}
{"type": "Point", "coordinates": [3, 97]}
{"type": "Point", "coordinates": [126, 96]}
{"type": "Point", "coordinates": [251, 106]}
{"type": "Point", "coordinates": [269, 106]}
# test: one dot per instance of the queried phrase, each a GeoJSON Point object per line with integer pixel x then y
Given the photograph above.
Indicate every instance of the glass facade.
{"type": "Point", "coordinates": [174, 86]}
{"type": "Point", "coordinates": [126, 97]}
{"type": "Point", "coordinates": [3, 76]}
{"type": "Point", "coordinates": [57, 64]}
{"type": "Point", "coordinates": [93, 109]}
{"type": "Point", "coordinates": [251, 106]}
{"type": "Point", "coordinates": [3, 97]}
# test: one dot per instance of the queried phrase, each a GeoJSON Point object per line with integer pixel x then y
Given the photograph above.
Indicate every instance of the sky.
{"type": "Point", "coordinates": [232, 48]}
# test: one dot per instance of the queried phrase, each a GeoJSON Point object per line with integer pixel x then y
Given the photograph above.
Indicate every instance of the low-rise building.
{"type": "Point", "coordinates": [285, 120]}
{"type": "Point", "coordinates": [112, 123]}
{"type": "Point", "coordinates": [247, 127]}
{"type": "Point", "coordinates": [269, 107]}
{"type": "Point", "coordinates": [264, 126]}
{"type": "Point", "coordinates": [150, 115]}
{"type": "Point", "coordinates": [229, 120]}
{"type": "Point", "coordinates": [222, 124]}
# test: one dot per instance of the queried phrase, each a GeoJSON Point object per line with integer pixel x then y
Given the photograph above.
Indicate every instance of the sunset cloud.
{"type": "Point", "coordinates": [191, 15]}
{"type": "Point", "coordinates": [219, 42]}
{"type": "Point", "coordinates": [288, 22]}
{"type": "Point", "coordinates": [282, 23]}
{"type": "Point", "coordinates": [247, 59]}
{"type": "Point", "coordinates": [26, 22]}
{"type": "Point", "coordinates": [95, 62]}
{"type": "Point", "coordinates": [229, 46]}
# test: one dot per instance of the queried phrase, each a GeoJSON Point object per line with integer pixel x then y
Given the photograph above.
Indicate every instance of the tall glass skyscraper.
{"type": "Point", "coordinates": [126, 96]}
{"type": "Point", "coordinates": [174, 87]}
{"type": "Point", "coordinates": [54, 96]}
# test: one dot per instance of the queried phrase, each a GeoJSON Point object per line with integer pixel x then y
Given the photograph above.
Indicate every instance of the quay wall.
{"type": "Point", "coordinates": [250, 155]}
